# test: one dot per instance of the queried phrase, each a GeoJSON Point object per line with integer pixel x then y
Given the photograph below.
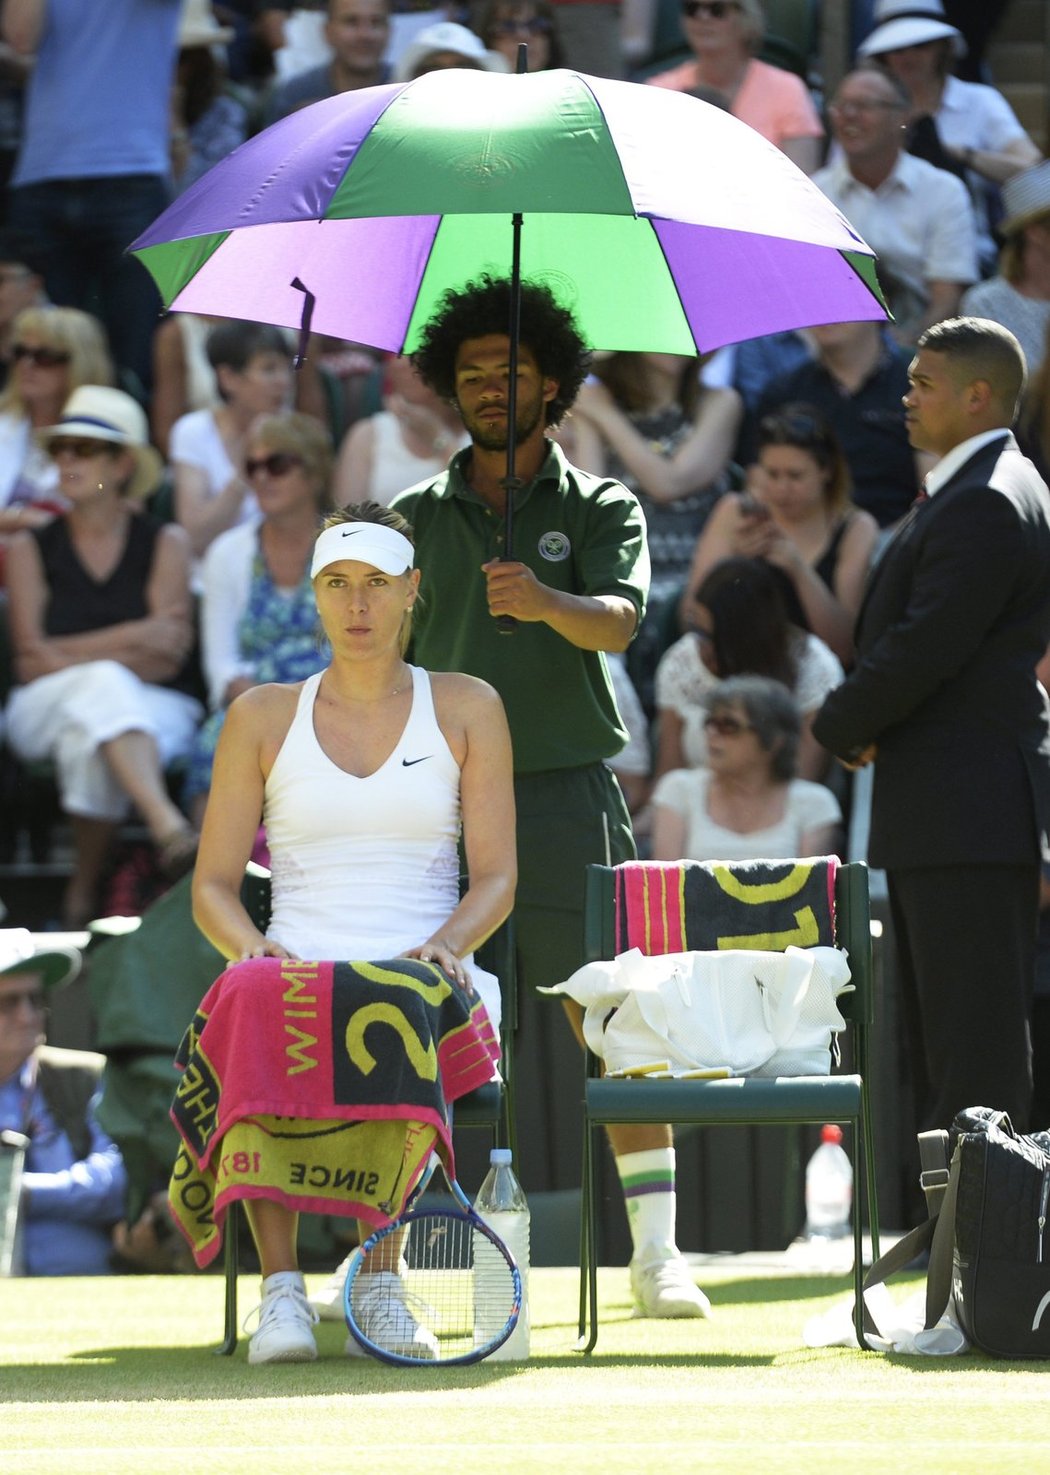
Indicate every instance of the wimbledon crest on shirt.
{"type": "Point", "coordinates": [554, 547]}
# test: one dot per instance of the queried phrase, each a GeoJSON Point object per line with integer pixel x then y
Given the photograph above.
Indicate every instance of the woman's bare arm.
{"type": "Point", "coordinates": [487, 802]}
{"type": "Point", "coordinates": [668, 833]}
{"type": "Point", "coordinates": [254, 729]}
{"type": "Point", "coordinates": [695, 464]}
{"type": "Point", "coordinates": [203, 516]}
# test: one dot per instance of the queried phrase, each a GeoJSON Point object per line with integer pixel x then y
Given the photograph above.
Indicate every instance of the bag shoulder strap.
{"type": "Point", "coordinates": [942, 1250]}
{"type": "Point", "coordinates": [940, 1184]}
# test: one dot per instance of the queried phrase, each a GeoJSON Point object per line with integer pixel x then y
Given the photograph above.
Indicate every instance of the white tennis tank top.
{"type": "Point", "coordinates": [365, 867]}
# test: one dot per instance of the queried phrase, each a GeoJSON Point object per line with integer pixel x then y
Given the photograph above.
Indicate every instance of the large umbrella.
{"type": "Point", "coordinates": [662, 222]}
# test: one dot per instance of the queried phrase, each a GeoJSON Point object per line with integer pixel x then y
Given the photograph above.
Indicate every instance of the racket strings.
{"type": "Point", "coordinates": [452, 1295]}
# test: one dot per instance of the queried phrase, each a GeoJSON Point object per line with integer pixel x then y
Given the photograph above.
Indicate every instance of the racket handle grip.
{"type": "Point", "coordinates": [506, 624]}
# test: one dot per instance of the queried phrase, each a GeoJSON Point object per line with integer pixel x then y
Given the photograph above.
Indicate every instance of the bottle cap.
{"type": "Point", "coordinates": [831, 1133]}
{"type": "Point", "coordinates": [502, 1157]}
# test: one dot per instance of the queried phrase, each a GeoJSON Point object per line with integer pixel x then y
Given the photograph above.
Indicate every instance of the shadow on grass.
{"type": "Point", "coordinates": [762, 1289]}
{"type": "Point", "coordinates": [145, 1374]}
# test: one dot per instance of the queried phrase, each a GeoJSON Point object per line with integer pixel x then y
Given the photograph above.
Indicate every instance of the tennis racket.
{"type": "Point", "coordinates": [435, 1286]}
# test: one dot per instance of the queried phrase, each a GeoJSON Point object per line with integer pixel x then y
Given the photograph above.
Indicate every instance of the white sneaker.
{"type": "Point", "coordinates": [382, 1314]}
{"type": "Point", "coordinates": [328, 1301]}
{"type": "Point", "coordinates": [286, 1319]}
{"type": "Point", "coordinates": [663, 1287]}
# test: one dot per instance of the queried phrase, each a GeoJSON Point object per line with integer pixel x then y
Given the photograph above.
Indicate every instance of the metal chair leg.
{"type": "Point", "coordinates": [588, 1321]}
{"type": "Point", "coordinates": [867, 1128]}
{"type": "Point", "coordinates": [231, 1265]}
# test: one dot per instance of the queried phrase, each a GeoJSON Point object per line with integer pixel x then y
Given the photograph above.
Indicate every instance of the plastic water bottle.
{"type": "Point", "coordinates": [501, 1204]}
{"type": "Point", "coordinates": [829, 1188]}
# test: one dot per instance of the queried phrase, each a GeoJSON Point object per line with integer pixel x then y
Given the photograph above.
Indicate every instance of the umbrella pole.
{"type": "Point", "coordinates": [511, 483]}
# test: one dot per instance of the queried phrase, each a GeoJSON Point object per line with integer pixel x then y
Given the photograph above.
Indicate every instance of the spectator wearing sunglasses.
{"type": "Point", "coordinates": [723, 36]}
{"type": "Point", "coordinates": [747, 803]}
{"type": "Point", "coordinates": [102, 636]}
{"type": "Point", "coordinates": [504, 25]}
{"type": "Point", "coordinates": [258, 614]}
{"type": "Point", "coordinates": [54, 350]}
{"type": "Point", "coordinates": [73, 1181]}
{"type": "Point", "coordinates": [253, 371]}
{"type": "Point", "coordinates": [21, 286]}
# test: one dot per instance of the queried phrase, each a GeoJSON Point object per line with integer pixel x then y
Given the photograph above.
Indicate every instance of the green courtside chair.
{"type": "Point", "coordinates": [787, 1100]}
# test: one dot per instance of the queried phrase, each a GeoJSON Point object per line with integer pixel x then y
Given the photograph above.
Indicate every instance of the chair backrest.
{"type": "Point", "coordinates": [497, 956]}
{"type": "Point", "coordinates": [665, 914]}
{"type": "Point", "coordinates": [255, 894]}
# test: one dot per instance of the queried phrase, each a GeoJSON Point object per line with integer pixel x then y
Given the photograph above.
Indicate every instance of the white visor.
{"type": "Point", "coordinates": [363, 542]}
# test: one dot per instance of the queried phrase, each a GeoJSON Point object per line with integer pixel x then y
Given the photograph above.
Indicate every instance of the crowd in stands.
{"type": "Point", "coordinates": [162, 477]}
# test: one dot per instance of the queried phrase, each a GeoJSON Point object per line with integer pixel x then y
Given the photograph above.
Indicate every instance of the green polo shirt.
{"type": "Point", "coordinates": [578, 533]}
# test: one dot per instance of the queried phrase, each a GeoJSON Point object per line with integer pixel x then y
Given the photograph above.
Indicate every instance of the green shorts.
{"type": "Point", "coordinates": [568, 818]}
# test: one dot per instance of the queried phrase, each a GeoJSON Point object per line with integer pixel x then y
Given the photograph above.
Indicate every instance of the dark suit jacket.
{"type": "Point", "coordinates": [954, 619]}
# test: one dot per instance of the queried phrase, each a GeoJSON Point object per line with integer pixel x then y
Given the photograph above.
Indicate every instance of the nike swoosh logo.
{"type": "Point", "coordinates": [411, 762]}
{"type": "Point", "coordinates": [350, 532]}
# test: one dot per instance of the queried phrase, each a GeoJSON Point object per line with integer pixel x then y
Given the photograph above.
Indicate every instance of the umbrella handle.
{"type": "Point", "coordinates": [507, 624]}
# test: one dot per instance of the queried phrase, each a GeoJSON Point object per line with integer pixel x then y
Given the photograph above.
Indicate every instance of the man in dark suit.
{"type": "Point", "coordinates": [944, 700]}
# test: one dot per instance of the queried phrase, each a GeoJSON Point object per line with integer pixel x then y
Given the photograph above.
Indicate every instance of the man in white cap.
{"type": "Point", "coordinates": [68, 1174]}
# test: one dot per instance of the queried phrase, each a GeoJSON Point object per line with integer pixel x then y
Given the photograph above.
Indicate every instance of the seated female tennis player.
{"type": "Point", "coordinates": [362, 774]}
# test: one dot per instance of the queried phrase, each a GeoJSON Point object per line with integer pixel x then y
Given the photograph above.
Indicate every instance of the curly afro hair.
{"type": "Point", "coordinates": [483, 307]}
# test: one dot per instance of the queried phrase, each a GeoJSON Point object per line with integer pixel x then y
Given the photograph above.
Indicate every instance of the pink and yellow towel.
{"type": "Point", "coordinates": [324, 1086]}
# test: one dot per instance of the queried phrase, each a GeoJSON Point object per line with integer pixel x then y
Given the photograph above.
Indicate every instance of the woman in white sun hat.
{"type": "Point", "coordinates": [978, 131]}
{"type": "Point", "coordinates": [101, 628]}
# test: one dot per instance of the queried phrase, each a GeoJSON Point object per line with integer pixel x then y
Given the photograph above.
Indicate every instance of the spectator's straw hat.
{"type": "Point", "coordinates": [198, 26]}
{"type": "Point", "coordinates": [447, 36]}
{"type": "Point", "coordinates": [903, 23]}
{"type": "Point", "coordinates": [1026, 197]}
{"type": "Point", "coordinates": [96, 412]}
{"type": "Point", "coordinates": [19, 954]}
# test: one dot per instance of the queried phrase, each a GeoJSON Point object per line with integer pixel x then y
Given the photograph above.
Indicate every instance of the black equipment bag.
{"type": "Point", "coordinates": [987, 1233]}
